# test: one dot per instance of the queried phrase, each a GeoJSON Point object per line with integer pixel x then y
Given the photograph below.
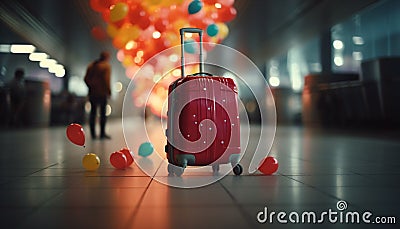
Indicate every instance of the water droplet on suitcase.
{"type": "Point", "coordinates": [224, 120]}
{"type": "Point", "coordinates": [205, 89]}
{"type": "Point", "coordinates": [222, 142]}
{"type": "Point", "coordinates": [209, 108]}
{"type": "Point", "coordinates": [195, 123]}
{"type": "Point", "coordinates": [223, 100]}
{"type": "Point", "coordinates": [210, 128]}
{"type": "Point", "coordinates": [204, 142]}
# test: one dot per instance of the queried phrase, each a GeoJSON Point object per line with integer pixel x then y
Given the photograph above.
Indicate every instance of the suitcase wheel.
{"type": "Point", "coordinates": [238, 169]}
{"type": "Point", "coordinates": [175, 170]}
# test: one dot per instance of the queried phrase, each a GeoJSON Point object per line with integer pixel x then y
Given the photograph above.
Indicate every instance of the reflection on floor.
{"type": "Point", "coordinates": [43, 184]}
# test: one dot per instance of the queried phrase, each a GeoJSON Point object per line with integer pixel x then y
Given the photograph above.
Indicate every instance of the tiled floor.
{"type": "Point", "coordinates": [43, 184]}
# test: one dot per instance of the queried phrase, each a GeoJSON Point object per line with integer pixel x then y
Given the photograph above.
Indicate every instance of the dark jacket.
{"type": "Point", "coordinates": [97, 79]}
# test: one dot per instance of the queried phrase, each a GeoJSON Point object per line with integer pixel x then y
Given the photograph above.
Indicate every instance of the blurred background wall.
{"type": "Point", "coordinates": [328, 63]}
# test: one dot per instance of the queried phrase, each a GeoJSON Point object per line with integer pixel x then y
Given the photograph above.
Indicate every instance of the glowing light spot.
{"type": "Point", "coordinates": [130, 45]}
{"type": "Point", "coordinates": [156, 34]}
{"type": "Point", "coordinates": [173, 58]}
{"type": "Point", "coordinates": [108, 110]}
{"type": "Point", "coordinates": [338, 44]}
{"type": "Point", "coordinates": [118, 86]}
{"type": "Point", "coordinates": [274, 81]}
{"type": "Point", "coordinates": [338, 60]}
{"type": "Point", "coordinates": [140, 53]}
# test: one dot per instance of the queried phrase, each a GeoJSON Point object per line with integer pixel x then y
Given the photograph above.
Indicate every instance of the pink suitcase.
{"type": "Point", "coordinates": [203, 125]}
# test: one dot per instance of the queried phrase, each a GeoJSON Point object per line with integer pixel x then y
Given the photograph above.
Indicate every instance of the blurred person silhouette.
{"type": "Point", "coordinates": [97, 78]}
{"type": "Point", "coordinates": [17, 97]}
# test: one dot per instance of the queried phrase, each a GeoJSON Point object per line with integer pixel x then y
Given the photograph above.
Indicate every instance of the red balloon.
{"type": "Point", "coordinates": [226, 14]}
{"type": "Point", "coordinates": [128, 155]}
{"type": "Point", "coordinates": [106, 16]}
{"type": "Point", "coordinates": [135, 12]}
{"type": "Point", "coordinates": [144, 21]}
{"type": "Point", "coordinates": [198, 22]}
{"type": "Point", "coordinates": [98, 33]}
{"type": "Point", "coordinates": [101, 5]}
{"type": "Point", "coordinates": [76, 134]}
{"type": "Point", "coordinates": [269, 165]}
{"type": "Point", "coordinates": [118, 160]}
{"type": "Point", "coordinates": [211, 2]}
{"type": "Point", "coordinates": [161, 25]}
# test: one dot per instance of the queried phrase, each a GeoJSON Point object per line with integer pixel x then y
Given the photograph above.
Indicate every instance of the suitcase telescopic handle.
{"type": "Point", "coordinates": [190, 30]}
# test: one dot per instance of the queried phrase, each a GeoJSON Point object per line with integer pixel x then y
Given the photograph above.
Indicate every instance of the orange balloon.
{"type": "Point", "coordinates": [112, 30]}
{"type": "Point", "coordinates": [76, 134]}
{"type": "Point", "coordinates": [125, 34]}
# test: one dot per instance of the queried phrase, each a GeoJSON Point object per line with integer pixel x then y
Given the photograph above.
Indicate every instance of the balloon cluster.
{"type": "Point", "coordinates": [76, 135]}
{"type": "Point", "coordinates": [120, 159]}
{"type": "Point", "coordinates": [141, 28]}
{"type": "Point", "coordinates": [124, 158]}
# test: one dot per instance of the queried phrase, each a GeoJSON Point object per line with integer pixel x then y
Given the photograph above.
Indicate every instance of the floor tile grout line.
{"type": "Point", "coordinates": [136, 210]}
{"type": "Point", "coordinates": [25, 176]}
{"type": "Point", "coordinates": [326, 193]}
{"type": "Point", "coordinates": [42, 205]}
{"type": "Point", "coordinates": [246, 215]}
{"type": "Point", "coordinates": [43, 169]}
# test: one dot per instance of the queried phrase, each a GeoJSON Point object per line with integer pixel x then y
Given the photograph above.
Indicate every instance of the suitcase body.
{"type": "Point", "coordinates": [203, 126]}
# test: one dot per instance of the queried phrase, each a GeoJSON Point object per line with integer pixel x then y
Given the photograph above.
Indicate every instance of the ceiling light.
{"type": "Point", "coordinates": [338, 44]}
{"type": "Point", "coordinates": [274, 81]}
{"type": "Point", "coordinates": [38, 56]}
{"type": "Point", "coordinates": [357, 40]}
{"type": "Point", "coordinates": [357, 56]}
{"type": "Point", "coordinates": [22, 48]}
{"type": "Point", "coordinates": [60, 73]}
{"type": "Point", "coordinates": [338, 60]}
{"type": "Point", "coordinates": [56, 68]}
{"type": "Point", "coordinates": [4, 48]}
{"type": "Point", "coordinates": [47, 63]}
